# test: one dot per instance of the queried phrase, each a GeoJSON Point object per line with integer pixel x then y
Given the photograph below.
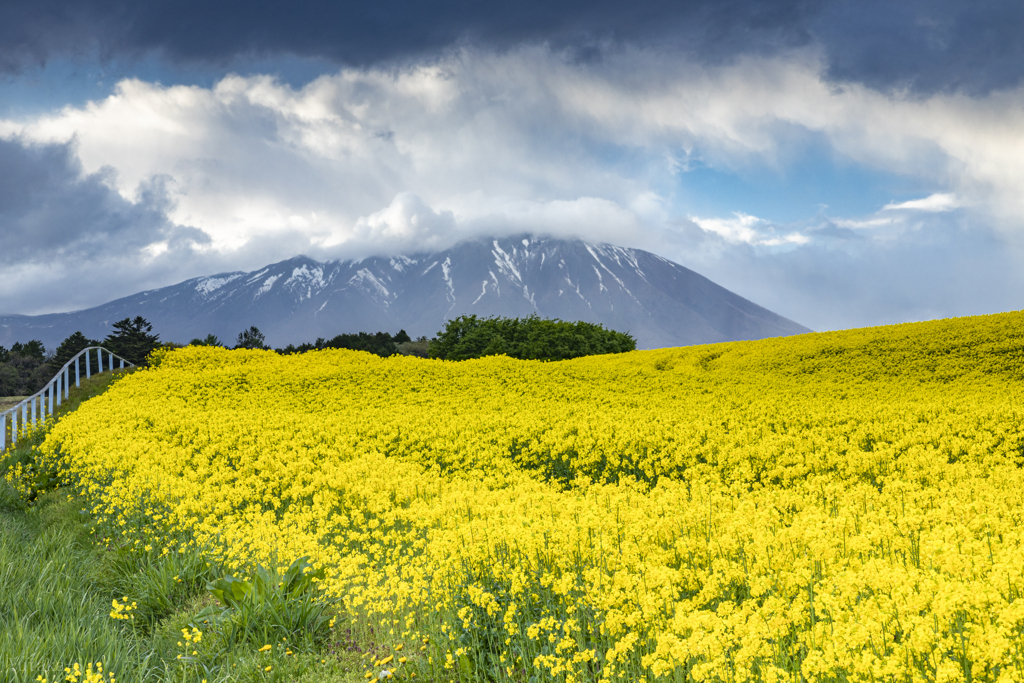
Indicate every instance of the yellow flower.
{"type": "Point", "coordinates": [658, 511]}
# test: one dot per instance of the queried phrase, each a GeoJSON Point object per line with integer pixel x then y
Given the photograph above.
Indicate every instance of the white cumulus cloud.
{"type": "Point", "coordinates": [400, 159]}
{"type": "Point", "coordinates": [749, 230]}
{"type": "Point", "coordinates": [940, 201]}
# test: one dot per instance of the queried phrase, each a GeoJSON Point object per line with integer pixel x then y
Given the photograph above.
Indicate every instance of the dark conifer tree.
{"type": "Point", "coordinates": [69, 348]}
{"type": "Point", "coordinates": [209, 340]}
{"type": "Point", "coordinates": [132, 339]}
{"type": "Point", "coordinates": [251, 338]}
{"type": "Point", "coordinates": [33, 349]}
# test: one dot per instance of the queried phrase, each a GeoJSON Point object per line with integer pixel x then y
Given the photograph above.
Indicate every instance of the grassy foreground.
{"type": "Point", "coordinates": [78, 607]}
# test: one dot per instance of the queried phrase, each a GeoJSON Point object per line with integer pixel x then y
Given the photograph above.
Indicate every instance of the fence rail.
{"type": "Point", "coordinates": [50, 396]}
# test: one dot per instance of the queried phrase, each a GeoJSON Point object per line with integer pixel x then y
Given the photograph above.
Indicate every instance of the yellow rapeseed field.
{"type": "Point", "coordinates": [838, 506]}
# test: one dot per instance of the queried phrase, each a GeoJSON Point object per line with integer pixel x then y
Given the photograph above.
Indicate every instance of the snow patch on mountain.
{"type": "Point", "coordinates": [482, 293]}
{"type": "Point", "coordinates": [364, 277]}
{"type": "Point", "coordinates": [446, 269]}
{"type": "Point", "coordinates": [267, 284]}
{"type": "Point", "coordinates": [208, 286]}
{"type": "Point", "coordinates": [309, 278]}
{"type": "Point", "coordinates": [400, 263]}
{"type": "Point", "coordinates": [504, 262]}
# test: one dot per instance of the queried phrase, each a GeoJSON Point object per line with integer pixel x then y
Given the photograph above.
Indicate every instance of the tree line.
{"type": "Point", "coordinates": [27, 367]}
{"type": "Point", "coordinates": [465, 337]}
{"type": "Point", "coordinates": [529, 338]}
{"type": "Point", "coordinates": [380, 343]}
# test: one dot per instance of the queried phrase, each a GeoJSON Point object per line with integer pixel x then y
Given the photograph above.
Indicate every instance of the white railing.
{"type": "Point", "coordinates": [45, 398]}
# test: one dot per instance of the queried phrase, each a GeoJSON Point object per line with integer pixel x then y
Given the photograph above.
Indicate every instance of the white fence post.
{"type": "Point", "coordinates": [59, 385]}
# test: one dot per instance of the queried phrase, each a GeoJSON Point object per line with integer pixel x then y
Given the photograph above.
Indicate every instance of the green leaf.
{"type": "Point", "coordinates": [465, 666]}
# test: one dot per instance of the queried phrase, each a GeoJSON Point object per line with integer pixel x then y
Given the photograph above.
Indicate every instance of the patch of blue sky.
{"type": "Point", "coordinates": [804, 185]}
{"type": "Point", "coordinates": [59, 83]}
{"type": "Point", "coordinates": [74, 82]}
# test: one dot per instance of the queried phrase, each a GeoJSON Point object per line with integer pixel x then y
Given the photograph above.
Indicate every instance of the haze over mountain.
{"type": "Point", "coordinates": [657, 301]}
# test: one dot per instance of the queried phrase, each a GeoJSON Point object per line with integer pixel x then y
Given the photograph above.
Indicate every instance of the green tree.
{"type": "Point", "coordinates": [68, 349]}
{"type": "Point", "coordinates": [26, 370]}
{"type": "Point", "coordinates": [33, 349]}
{"type": "Point", "coordinates": [209, 340]}
{"type": "Point", "coordinates": [251, 338]}
{"type": "Point", "coordinates": [5, 355]}
{"type": "Point", "coordinates": [132, 339]}
{"type": "Point", "coordinates": [530, 338]}
{"type": "Point", "coordinates": [9, 380]}
{"type": "Point", "coordinates": [380, 343]}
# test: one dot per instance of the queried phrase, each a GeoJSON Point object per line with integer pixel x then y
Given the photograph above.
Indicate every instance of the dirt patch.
{"type": "Point", "coordinates": [10, 401]}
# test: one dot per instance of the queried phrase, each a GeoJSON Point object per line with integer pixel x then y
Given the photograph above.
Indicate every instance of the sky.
{"type": "Point", "coordinates": [843, 164]}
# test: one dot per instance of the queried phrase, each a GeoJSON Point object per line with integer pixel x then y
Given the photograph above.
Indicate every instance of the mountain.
{"type": "Point", "coordinates": [659, 302]}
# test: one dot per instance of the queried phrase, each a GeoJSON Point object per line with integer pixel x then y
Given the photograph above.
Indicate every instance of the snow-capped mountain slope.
{"type": "Point", "coordinates": [661, 303]}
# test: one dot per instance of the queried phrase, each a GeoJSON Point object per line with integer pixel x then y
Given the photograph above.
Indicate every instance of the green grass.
{"type": "Point", "coordinates": [52, 607]}
{"type": "Point", "coordinates": [59, 576]}
{"type": "Point", "coordinates": [10, 401]}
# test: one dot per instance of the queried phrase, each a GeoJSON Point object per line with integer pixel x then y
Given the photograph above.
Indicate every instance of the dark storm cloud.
{"type": "Point", "coordinates": [49, 210]}
{"type": "Point", "coordinates": [367, 32]}
{"type": "Point", "coordinates": [922, 45]}
{"type": "Point", "coordinates": [68, 241]}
